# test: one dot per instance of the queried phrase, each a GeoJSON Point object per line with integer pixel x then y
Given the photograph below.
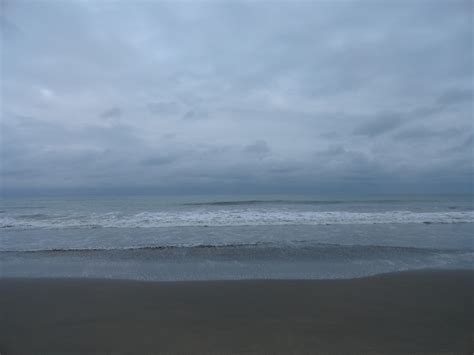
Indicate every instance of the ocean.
{"type": "Point", "coordinates": [224, 237]}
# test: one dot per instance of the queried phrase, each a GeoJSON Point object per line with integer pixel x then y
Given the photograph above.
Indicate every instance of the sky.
{"type": "Point", "coordinates": [237, 96]}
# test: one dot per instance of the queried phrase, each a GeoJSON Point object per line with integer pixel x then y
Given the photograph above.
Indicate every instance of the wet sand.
{"type": "Point", "coordinates": [411, 312]}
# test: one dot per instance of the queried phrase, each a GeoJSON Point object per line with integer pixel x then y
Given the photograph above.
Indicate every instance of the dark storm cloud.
{"type": "Point", "coordinates": [235, 96]}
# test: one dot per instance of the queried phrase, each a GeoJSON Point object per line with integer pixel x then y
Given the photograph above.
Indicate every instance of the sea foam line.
{"type": "Point", "coordinates": [230, 218]}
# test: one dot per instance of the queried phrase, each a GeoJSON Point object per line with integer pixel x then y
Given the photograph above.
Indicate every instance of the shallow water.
{"type": "Point", "coordinates": [226, 238]}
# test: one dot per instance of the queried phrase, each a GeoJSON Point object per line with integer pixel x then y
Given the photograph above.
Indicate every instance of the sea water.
{"type": "Point", "coordinates": [225, 237]}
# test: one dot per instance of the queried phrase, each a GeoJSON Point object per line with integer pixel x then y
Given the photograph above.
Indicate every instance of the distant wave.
{"type": "Point", "coordinates": [302, 202]}
{"type": "Point", "coordinates": [223, 217]}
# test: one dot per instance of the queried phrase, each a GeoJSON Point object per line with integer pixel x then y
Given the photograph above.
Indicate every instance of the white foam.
{"type": "Point", "coordinates": [231, 217]}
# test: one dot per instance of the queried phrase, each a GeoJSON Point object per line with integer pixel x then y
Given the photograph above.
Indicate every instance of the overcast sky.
{"type": "Point", "coordinates": [323, 96]}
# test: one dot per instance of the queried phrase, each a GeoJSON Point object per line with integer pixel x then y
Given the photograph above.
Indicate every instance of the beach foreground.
{"type": "Point", "coordinates": [409, 312]}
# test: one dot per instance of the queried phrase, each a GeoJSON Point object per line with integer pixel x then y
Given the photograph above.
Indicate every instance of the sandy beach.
{"type": "Point", "coordinates": [410, 312]}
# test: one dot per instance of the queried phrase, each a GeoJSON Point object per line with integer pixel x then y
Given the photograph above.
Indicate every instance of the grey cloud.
{"type": "Point", "coordinates": [113, 112]}
{"type": "Point", "coordinates": [421, 133]}
{"type": "Point", "coordinates": [163, 107]}
{"type": "Point", "coordinates": [383, 123]}
{"type": "Point", "coordinates": [159, 160]}
{"type": "Point", "coordinates": [169, 135]}
{"type": "Point", "coordinates": [332, 151]}
{"type": "Point", "coordinates": [192, 115]}
{"type": "Point", "coordinates": [8, 30]}
{"type": "Point", "coordinates": [455, 96]}
{"type": "Point", "coordinates": [466, 146]}
{"type": "Point", "coordinates": [186, 92]}
{"type": "Point", "coordinates": [120, 136]}
{"type": "Point", "coordinates": [283, 169]}
{"type": "Point", "coordinates": [259, 148]}
{"type": "Point", "coordinates": [341, 164]}
{"type": "Point", "coordinates": [448, 100]}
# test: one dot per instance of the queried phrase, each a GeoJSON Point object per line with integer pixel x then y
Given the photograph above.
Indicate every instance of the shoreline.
{"type": "Point", "coordinates": [423, 311]}
{"type": "Point", "coordinates": [240, 280]}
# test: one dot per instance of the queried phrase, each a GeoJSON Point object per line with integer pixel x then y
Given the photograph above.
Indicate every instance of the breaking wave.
{"type": "Point", "coordinates": [241, 217]}
{"type": "Point", "coordinates": [322, 249]}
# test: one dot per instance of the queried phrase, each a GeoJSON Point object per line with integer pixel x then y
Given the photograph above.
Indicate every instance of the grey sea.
{"type": "Point", "coordinates": [224, 237]}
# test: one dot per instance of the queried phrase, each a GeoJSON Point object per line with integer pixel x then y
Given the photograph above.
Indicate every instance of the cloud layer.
{"type": "Point", "coordinates": [237, 97]}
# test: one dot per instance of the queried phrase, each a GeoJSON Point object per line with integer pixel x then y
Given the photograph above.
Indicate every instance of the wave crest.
{"type": "Point", "coordinates": [229, 218]}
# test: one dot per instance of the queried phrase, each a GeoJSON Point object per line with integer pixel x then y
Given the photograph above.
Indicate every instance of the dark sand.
{"type": "Point", "coordinates": [413, 312]}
